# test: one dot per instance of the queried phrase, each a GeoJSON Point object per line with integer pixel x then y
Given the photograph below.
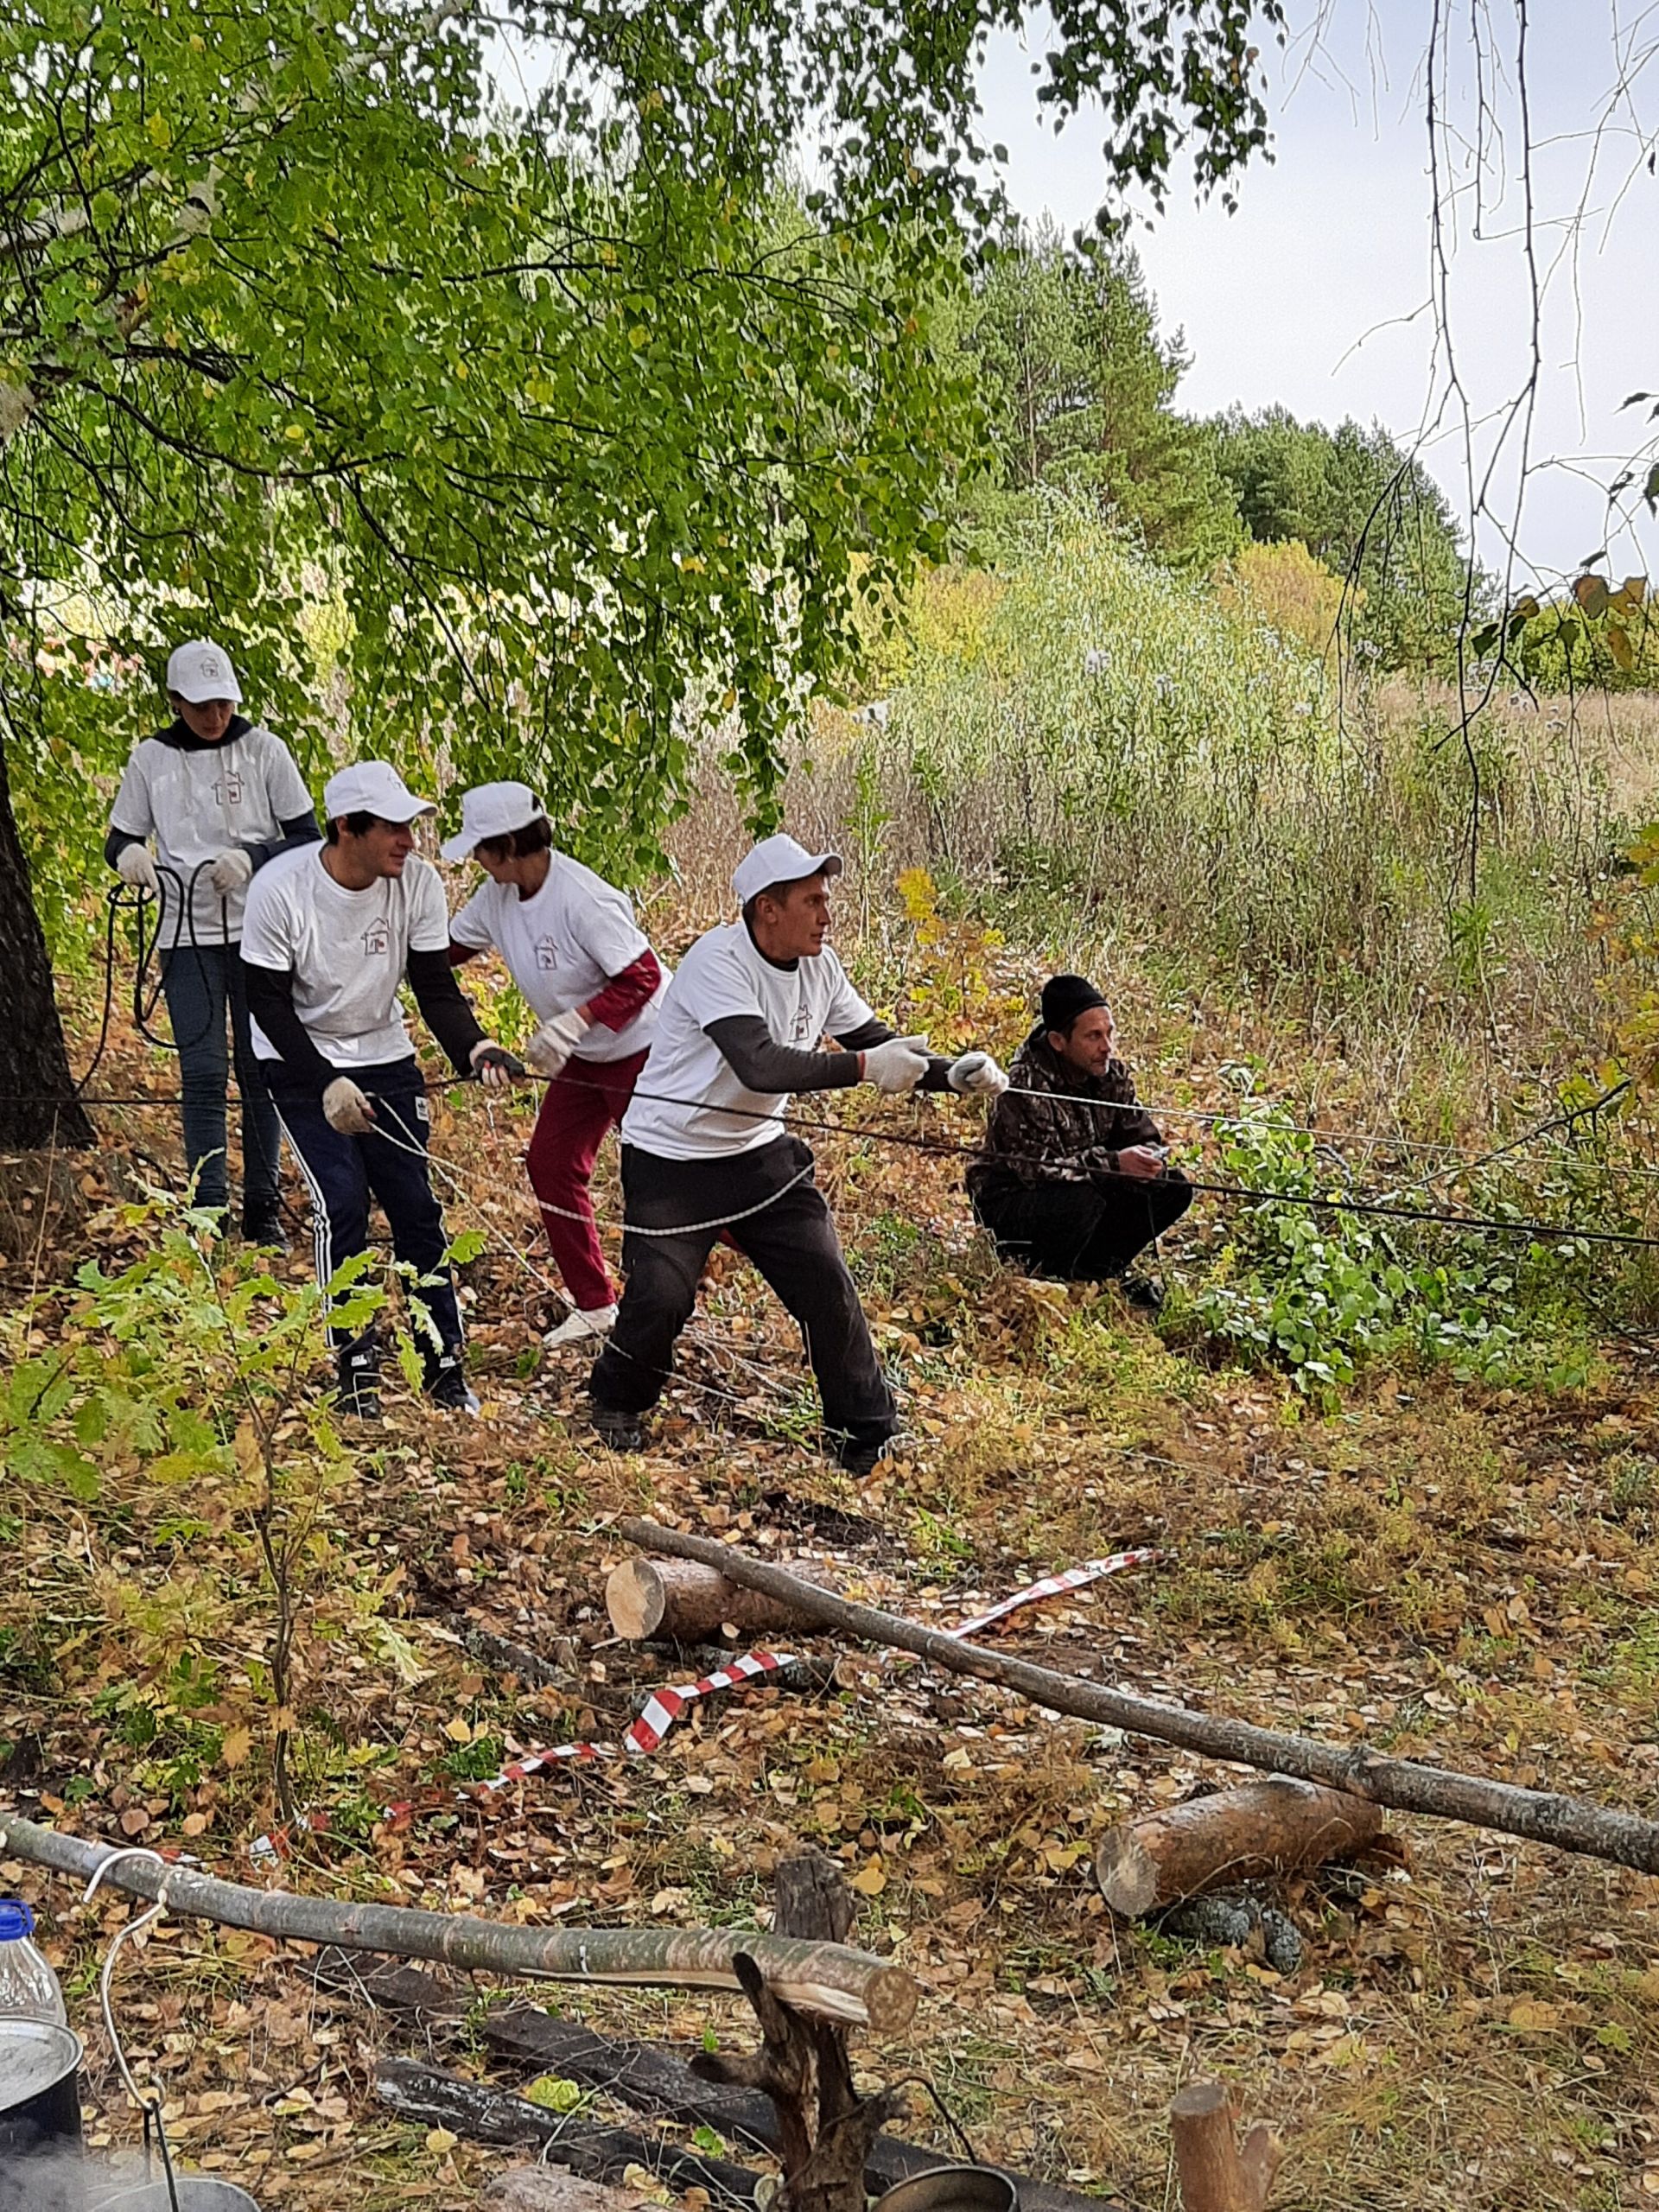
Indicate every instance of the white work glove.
{"type": "Point", "coordinates": [231, 871]}
{"type": "Point", "coordinates": [493, 1065]}
{"type": "Point", "coordinates": [978, 1072]}
{"type": "Point", "coordinates": [134, 864]}
{"type": "Point", "coordinates": [897, 1066]}
{"type": "Point", "coordinates": [347, 1109]}
{"type": "Point", "coordinates": [554, 1042]}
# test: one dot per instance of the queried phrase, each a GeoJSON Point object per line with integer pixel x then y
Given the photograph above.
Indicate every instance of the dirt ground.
{"type": "Point", "coordinates": [1464, 1577]}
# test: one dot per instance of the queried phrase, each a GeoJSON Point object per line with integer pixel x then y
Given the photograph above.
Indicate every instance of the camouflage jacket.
{"type": "Point", "coordinates": [1057, 1139]}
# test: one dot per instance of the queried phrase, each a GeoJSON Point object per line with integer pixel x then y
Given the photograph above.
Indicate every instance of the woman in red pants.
{"type": "Point", "coordinates": [573, 947]}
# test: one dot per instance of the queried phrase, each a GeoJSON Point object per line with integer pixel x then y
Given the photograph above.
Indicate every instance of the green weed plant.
{"type": "Point", "coordinates": [1323, 1292]}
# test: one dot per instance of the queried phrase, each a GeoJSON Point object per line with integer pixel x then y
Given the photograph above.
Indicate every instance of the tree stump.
{"type": "Point", "coordinates": [1273, 1827]}
{"type": "Point", "coordinates": [689, 1604]}
{"type": "Point", "coordinates": [1215, 2173]}
{"type": "Point", "coordinates": [826, 2128]}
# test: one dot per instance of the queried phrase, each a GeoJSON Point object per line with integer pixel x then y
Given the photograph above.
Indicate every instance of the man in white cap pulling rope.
{"type": "Point", "coordinates": [574, 949]}
{"type": "Point", "coordinates": [704, 1149]}
{"type": "Point", "coordinates": [329, 934]}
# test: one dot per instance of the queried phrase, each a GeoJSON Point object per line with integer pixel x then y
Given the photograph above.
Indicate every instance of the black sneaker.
{"type": "Point", "coordinates": [264, 1225]}
{"type": "Point", "coordinates": [1140, 1292]}
{"type": "Point", "coordinates": [358, 1393]}
{"type": "Point", "coordinates": [447, 1386]}
{"type": "Point", "coordinates": [864, 1459]}
{"type": "Point", "coordinates": [616, 1430]}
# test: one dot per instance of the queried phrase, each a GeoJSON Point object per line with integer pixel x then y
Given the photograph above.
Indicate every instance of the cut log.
{"type": "Point", "coordinates": [1569, 1824]}
{"type": "Point", "coordinates": [822, 1978]}
{"type": "Point", "coordinates": [1216, 2174]}
{"type": "Point", "coordinates": [486, 2115]}
{"type": "Point", "coordinates": [1276, 1827]}
{"type": "Point", "coordinates": [684, 1603]}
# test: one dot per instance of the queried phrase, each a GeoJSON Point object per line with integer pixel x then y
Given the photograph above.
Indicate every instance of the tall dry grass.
{"type": "Point", "coordinates": [1122, 772]}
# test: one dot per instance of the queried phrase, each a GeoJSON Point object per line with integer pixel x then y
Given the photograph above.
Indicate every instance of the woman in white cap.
{"type": "Point", "coordinates": [704, 1147]}
{"type": "Point", "coordinates": [329, 936]}
{"type": "Point", "coordinates": [220, 796]}
{"type": "Point", "coordinates": [572, 945]}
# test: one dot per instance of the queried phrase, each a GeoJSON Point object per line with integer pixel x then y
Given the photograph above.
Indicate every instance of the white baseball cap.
{"type": "Point", "coordinates": [372, 787]}
{"type": "Point", "coordinates": [781, 858]}
{"type": "Point", "coordinates": [491, 810]}
{"type": "Point", "coordinates": [202, 670]}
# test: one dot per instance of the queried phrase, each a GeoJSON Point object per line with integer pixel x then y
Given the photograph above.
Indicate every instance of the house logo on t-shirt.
{"type": "Point", "coordinates": [227, 791]}
{"type": "Point", "coordinates": [797, 1034]}
{"type": "Point", "coordinates": [547, 956]}
{"type": "Point", "coordinates": [376, 940]}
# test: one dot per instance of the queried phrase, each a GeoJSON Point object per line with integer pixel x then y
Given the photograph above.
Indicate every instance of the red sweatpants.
{"type": "Point", "coordinates": [582, 1101]}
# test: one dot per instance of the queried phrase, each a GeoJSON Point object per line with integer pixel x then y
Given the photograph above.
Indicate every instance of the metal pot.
{"type": "Point", "coordinates": [40, 2084]}
{"type": "Point", "coordinates": [952, 2189]}
{"type": "Point", "coordinates": [39, 2107]}
{"type": "Point", "coordinates": [197, 2193]}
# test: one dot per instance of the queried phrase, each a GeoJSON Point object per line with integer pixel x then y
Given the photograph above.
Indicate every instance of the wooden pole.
{"type": "Point", "coordinates": [1263, 1829]}
{"type": "Point", "coordinates": [1215, 2174]}
{"type": "Point", "coordinates": [1570, 1823]}
{"type": "Point", "coordinates": [829, 1981]}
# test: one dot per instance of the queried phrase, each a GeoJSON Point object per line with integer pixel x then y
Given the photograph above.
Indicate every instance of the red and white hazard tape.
{"type": "Point", "coordinates": [1055, 1585]}
{"type": "Point", "coordinates": [664, 1707]}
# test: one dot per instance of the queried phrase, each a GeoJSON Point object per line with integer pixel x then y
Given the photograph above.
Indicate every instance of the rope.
{"type": "Point", "coordinates": [1461, 1222]}
{"type": "Point", "coordinates": [539, 1275]}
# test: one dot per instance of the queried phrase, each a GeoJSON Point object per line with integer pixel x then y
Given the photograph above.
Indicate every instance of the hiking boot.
{"type": "Point", "coordinates": [1140, 1292]}
{"type": "Point", "coordinates": [616, 1430]}
{"type": "Point", "coordinates": [264, 1225]}
{"type": "Point", "coordinates": [357, 1393]}
{"type": "Point", "coordinates": [590, 1328]}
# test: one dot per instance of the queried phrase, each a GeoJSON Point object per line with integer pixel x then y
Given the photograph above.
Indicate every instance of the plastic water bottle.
{"type": "Point", "coordinates": [28, 1988]}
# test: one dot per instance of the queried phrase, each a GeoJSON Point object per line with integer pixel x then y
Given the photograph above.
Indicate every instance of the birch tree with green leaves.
{"type": "Point", "coordinates": [584, 431]}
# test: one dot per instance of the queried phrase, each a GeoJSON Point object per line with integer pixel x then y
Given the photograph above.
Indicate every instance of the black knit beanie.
{"type": "Point", "coordinates": [1065, 997]}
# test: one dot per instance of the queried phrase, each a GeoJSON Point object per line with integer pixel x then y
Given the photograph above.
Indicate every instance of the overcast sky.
{"type": "Point", "coordinates": [1314, 294]}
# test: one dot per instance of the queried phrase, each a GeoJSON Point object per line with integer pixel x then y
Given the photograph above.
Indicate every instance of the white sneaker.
{"type": "Point", "coordinates": [577, 1327]}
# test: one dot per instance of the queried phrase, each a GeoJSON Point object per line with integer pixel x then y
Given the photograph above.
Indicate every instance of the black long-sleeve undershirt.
{"type": "Point", "coordinates": [270, 1005]}
{"type": "Point", "coordinates": [761, 1063]}
{"type": "Point", "coordinates": [444, 1007]}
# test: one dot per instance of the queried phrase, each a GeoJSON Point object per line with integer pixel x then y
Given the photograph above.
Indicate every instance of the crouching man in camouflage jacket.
{"type": "Point", "coordinates": [1073, 1181]}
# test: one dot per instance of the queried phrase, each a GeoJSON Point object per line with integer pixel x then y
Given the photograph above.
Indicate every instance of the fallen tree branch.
{"type": "Point", "coordinates": [487, 2115]}
{"type": "Point", "coordinates": [831, 1981]}
{"type": "Point", "coordinates": [653, 2081]}
{"type": "Point", "coordinates": [1571, 1824]}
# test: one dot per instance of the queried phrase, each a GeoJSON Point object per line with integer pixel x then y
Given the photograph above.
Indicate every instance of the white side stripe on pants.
{"type": "Point", "coordinates": [322, 1227]}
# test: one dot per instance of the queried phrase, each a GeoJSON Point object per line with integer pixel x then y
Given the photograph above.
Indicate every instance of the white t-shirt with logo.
{"type": "Point", "coordinates": [562, 946]}
{"type": "Point", "coordinates": [725, 974]}
{"type": "Point", "coordinates": [196, 803]}
{"type": "Point", "coordinates": [347, 950]}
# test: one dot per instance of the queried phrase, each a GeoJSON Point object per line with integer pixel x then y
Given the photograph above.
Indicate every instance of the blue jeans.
{"type": "Point", "coordinates": [203, 983]}
{"type": "Point", "coordinates": [343, 1172]}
